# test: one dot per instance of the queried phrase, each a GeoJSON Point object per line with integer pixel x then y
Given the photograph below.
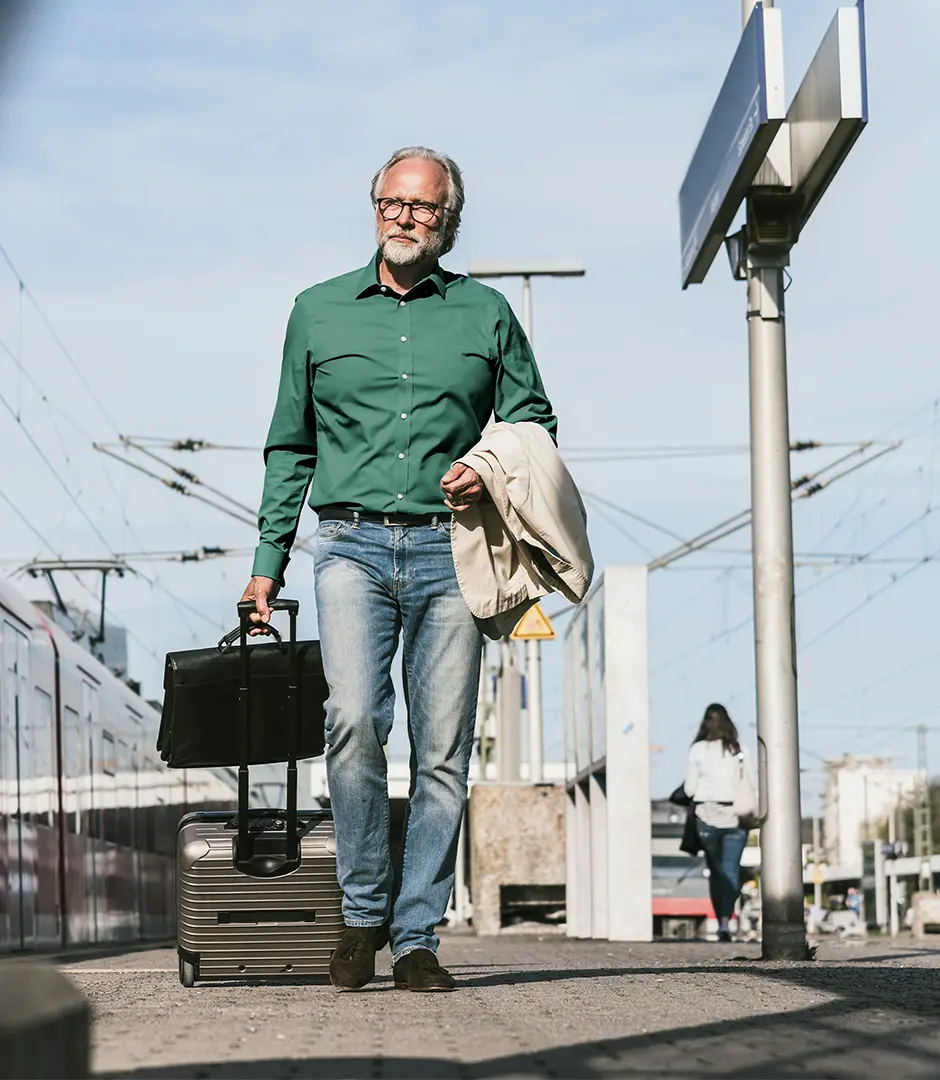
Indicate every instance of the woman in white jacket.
{"type": "Point", "coordinates": [712, 782]}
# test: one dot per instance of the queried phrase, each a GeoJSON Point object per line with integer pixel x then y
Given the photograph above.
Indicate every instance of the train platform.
{"type": "Point", "coordinates": [532, 1005]}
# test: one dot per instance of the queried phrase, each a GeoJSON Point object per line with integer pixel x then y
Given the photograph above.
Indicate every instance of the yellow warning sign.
{"type": "Point", "coordinates": [535, 625]}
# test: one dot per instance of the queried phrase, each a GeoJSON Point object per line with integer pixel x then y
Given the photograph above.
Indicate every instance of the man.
{"type": "Point", "coordinates": [390, 373]}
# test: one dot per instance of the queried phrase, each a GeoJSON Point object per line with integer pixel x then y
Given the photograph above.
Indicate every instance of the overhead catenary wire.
{"type": "Point", "coordinates": [65, 487]}
{"type": "Point", "coordinates": [598, 454]}
{"type": "Point", "coordinates": [803, 487]}
{"type": "Point", "coordinates": [186, 474]}
{"type": "Point", "coordinates": [25, 291]}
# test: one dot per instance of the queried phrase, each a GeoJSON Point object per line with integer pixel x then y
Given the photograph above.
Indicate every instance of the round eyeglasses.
{"type": "Point", "coordinates": [422, 212]}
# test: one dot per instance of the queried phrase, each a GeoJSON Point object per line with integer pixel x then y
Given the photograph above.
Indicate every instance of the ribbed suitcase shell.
{"type": "Point", "coordinates": [213, 897]}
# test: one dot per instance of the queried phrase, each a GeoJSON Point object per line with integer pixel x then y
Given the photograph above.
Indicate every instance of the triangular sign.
{"type": "Point", "coordinates": [533, 626]}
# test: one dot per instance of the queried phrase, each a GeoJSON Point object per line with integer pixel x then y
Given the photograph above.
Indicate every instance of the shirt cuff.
{"type": "Point", "coordinates": [270, 562]}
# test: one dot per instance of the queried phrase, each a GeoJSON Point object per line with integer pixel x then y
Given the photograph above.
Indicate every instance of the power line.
{"type": "Point", "coordinates": [24, 289]}
{"type": "Point", "coordinates": [592, 497]}
{"type": "Point", "coordinates": [619, 528]}
{"type": "Point", "coordinates": [81, 509]}
{"type": "Point", "coordinates": [597, 454]}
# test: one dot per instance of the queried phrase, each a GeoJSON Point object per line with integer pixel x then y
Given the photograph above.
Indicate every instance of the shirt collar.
{"type": "Point", "coordinates": [368, 281]}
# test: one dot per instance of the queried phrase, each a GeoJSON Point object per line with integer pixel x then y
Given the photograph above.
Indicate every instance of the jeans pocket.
{"type": "Point", "coordinates": [330, 530]}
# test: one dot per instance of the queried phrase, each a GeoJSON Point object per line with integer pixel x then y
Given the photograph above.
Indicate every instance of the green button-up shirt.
{"type": "Point", "coordinates": [380, 394]}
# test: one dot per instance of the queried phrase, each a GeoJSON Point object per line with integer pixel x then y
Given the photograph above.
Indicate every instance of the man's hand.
{"type": "Point", "coordinates": [461, 486]}
{"type": "Point", "coordinates": [262, 590]}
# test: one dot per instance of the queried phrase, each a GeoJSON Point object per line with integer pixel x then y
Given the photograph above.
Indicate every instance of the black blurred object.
{"type": "Point", "coordinates": [679, 797]}
{"type": "Point", "coordinates": [199, 727]}
{"type": "Point", "coordinates": [690, 843]}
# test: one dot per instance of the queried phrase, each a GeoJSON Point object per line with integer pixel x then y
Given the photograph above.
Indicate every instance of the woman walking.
{"type": "Point", "coordinates": [714, 779]}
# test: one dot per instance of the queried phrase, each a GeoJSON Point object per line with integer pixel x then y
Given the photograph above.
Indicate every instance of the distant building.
{"type": "Point", "coordinates": [859, 795]}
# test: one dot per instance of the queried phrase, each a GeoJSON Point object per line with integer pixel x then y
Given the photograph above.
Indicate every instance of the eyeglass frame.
{"type": "Point", "coordinates": [411, 206]}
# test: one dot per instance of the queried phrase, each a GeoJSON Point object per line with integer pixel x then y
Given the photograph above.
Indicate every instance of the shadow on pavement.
{"type": "Point", "coordinates": [883, 1023]}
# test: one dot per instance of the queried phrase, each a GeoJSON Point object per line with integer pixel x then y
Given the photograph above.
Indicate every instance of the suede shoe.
{"type": "Point", "coordinates": [420, 971]}
{"type": "Point", "coordinates": [352, 964]}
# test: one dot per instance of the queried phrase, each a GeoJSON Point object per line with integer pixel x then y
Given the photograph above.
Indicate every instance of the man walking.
{"type": "Point", "coordinates": [389, 374]}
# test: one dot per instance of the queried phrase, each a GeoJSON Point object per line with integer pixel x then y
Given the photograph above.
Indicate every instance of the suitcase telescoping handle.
{"type": "Point", "coordinates": [253, 858]}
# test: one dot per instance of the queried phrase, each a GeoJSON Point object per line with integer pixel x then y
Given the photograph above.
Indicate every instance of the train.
{"type": "Point", "coordinates": [88, 812]}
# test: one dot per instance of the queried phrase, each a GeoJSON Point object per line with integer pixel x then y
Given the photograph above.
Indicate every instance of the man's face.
{"type": "Point", "coordinates": [404, 240]}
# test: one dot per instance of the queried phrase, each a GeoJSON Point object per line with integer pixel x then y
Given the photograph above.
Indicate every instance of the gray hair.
{"type": "Point", "coordinates": [455, 194]}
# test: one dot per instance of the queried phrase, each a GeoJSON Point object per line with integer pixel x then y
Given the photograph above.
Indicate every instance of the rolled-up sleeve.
{"type": "Point", "coordinates": [520, 394]}
{"type": "Point", "coordinates": [290, 453]}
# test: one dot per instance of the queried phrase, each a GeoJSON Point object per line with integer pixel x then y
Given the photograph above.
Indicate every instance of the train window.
{"type": "Point", "coordinates": [44, 758]}
{"type": "Point", "coordinates": [74, 775]}
{"type": "Point", "coordinates": [108, 761]}
{"type": "Point", "coordinates": [15, 744]}
{"type": "Point", "coordinates": [91, 825]}
{"type": "Point", "coordinates": [125, 794]}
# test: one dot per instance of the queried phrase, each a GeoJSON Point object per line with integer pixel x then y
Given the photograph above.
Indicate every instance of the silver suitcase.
{"type": "Point", "coordinates": [257, 895]}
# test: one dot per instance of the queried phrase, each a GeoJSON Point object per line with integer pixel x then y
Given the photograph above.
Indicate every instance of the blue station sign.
{"type": "Point", "coordinates": [743, 123]}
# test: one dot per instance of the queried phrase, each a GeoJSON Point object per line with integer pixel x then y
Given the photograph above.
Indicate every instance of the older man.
{"type": "Point", "coordinates": [390, 373]}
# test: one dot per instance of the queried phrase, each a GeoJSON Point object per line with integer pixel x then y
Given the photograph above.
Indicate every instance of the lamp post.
{"type": "Point", "coordinates": [507, 745]}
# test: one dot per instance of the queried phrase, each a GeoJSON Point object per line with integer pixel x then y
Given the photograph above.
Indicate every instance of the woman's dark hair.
{"type": "Point", "coordinates": [717, 724]}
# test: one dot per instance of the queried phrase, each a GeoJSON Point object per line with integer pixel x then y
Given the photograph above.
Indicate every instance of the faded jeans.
{"type": "Point", "coordinates": [373, 583]}
{"type": "Point", "coordinates": [723, 850]}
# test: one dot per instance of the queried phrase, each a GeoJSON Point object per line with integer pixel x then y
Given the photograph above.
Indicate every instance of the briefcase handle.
{"type": "Point", "coordinates": [248, 607]}
{"type": "Point", "coordinates": [226, 642]}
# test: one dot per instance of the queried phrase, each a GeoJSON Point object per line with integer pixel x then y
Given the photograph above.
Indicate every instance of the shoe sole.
{"type": "Point", "coordinates": [425, 989]}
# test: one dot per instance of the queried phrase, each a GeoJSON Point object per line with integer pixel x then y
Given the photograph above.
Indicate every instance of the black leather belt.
{"type": "Point", "coordinates": [344, 513]}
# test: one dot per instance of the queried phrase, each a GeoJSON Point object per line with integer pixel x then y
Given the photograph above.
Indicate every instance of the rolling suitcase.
{"type": "Point", "coordinates": [257, 895]}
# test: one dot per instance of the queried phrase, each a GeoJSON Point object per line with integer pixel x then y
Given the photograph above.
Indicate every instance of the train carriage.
{"type": "Point", "coordinates": [88, 813]}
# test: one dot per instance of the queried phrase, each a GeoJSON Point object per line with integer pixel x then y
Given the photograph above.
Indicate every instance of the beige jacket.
{"type": "Point", "coordinates": [529, 538]}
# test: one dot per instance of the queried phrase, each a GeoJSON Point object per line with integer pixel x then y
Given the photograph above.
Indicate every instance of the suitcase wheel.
{"type": "Point", "coordinates": [187, 973]}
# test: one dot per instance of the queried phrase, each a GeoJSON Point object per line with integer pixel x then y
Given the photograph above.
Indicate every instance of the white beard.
{"type": "Point", "coordinates": [408, 252]}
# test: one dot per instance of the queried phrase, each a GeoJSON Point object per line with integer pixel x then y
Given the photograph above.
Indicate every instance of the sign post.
{"type": "Point", "coordinates": [533, 658]}
{"type": "Point", "coordinates": [820, 127]}
{"type": "Point", "coordinates": [533, 627]}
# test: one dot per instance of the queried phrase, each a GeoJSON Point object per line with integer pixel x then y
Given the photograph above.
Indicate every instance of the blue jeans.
{"type": "Point", "coordinates": [723, 849]}
{"type": "Point", "coordinates": [373, 583]}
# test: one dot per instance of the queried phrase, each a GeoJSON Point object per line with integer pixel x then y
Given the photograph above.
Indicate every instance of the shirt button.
{"type": "Point", "coordinates": [403, 338]}
{"type": "Point", "coordinates": [401, 303]}
{"type": "Point", "coordinates": [404, 376]}
{"type": "Point", "coordinates": [404, 416]}
{"type": "Point", "coordinates": [400, 495]}
{"type": "Point", "coordinates": [384, 288]}
{"type": "Point", "coordinates": [400, 456]}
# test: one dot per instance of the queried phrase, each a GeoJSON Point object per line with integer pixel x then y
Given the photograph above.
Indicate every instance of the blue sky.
{"type": "Point", "coordinates": [172, 175]}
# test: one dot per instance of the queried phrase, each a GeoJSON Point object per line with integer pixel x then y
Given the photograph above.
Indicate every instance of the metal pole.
{"type": "Point", "coordinates": [527, 306]}
{"type": "Point", "coordinates": [784, 931]}
{"type": "Point", "coordinates": [817, 887]}
{"type": "Point", "coordinates": [533, 648]}
{"type": "Point", "coordinates": [747, 6]}
{"type": "Point", "coordinates": [893, 877]}
{"type": "Point", "coordinates": [508, 714]}
{"type": "Point", "coordinates": [534, 709]}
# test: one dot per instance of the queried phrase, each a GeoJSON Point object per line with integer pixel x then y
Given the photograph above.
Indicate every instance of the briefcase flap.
{"type": "Point", "coordinates": [200, 722]}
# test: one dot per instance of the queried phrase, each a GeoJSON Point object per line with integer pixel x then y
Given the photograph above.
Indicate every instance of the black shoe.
{"type": "Point", "coordinates": [352, 964]}
{"type": "Point", "coordinates": [724, 935]}
{"type": "Point", "coordinates": [420, 971]}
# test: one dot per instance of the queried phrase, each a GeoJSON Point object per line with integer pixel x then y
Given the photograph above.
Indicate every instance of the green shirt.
{"type": "Point", "coordinates": [380, 394]}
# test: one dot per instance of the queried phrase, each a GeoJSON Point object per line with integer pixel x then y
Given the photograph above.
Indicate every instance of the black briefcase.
{"type": "Point", "coordinates": [199, 726]}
